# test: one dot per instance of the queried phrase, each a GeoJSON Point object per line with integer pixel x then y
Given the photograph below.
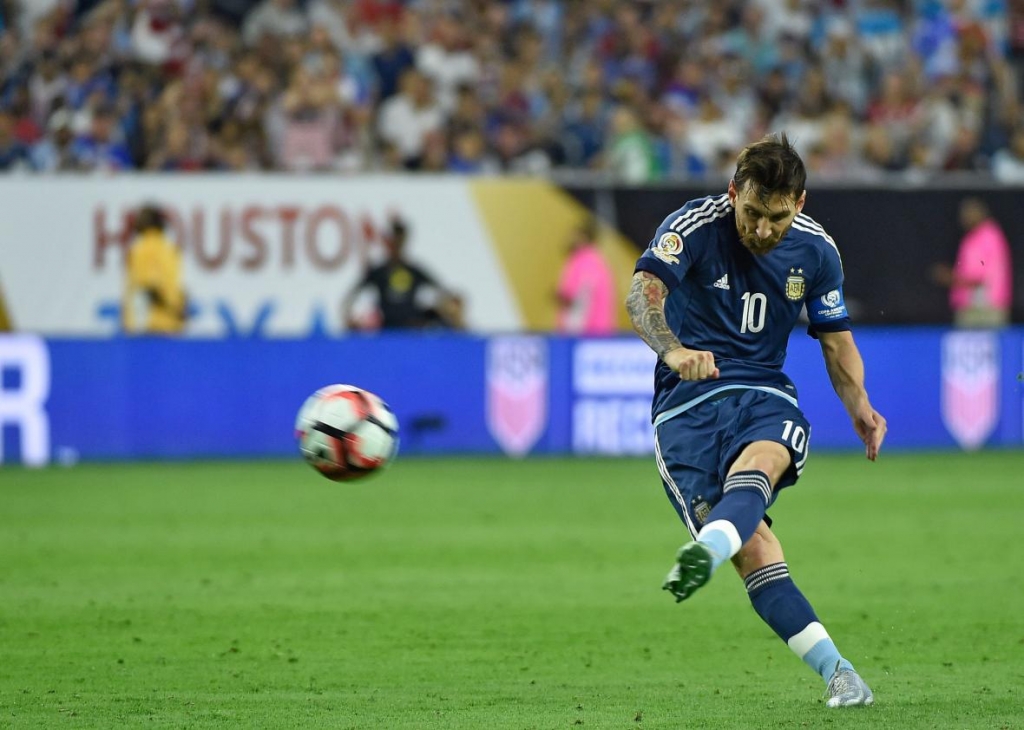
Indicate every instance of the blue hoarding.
{"type": "Point", "coordinates": [164, 398]}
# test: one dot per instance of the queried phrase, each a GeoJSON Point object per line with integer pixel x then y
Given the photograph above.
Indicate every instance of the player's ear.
{"type": "Point", "coordinates": [733, 193]}
{"type": "Point", "coordinates": [800, 201]}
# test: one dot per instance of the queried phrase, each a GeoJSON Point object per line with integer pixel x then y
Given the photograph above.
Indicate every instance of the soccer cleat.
{"type": "Point", "coordinates": [847, 689]}
{"type": "Point", "coordinates": [691, 571]}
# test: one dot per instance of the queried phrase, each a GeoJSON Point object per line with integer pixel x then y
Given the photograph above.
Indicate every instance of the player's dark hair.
{"type": "Point", "coordinates": [772, 167]}
{"type": "Point", "coordinates": [399, 231]}
{"type": "Point", "coordinates": [150, 216]}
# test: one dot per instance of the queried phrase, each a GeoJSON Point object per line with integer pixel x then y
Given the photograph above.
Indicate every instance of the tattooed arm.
{"type": "Point", "coordinates": [646, 306]}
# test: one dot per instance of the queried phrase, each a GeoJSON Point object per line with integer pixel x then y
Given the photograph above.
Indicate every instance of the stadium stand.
{"type": "Point", "coordinates": [642, 91]}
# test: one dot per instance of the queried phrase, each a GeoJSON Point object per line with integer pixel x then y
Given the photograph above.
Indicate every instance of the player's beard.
{"type": "Point", "coordinates": [759, 246]}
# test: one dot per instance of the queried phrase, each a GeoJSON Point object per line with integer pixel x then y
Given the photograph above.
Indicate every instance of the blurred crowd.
{"type": "Point", "coordinates": [665, 89]}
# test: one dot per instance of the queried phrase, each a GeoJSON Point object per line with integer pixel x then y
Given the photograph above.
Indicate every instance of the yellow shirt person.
{"type": "Point", "coordinates": [154, 300]}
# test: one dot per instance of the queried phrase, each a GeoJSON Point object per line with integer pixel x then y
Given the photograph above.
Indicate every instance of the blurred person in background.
{"type": "Point", "coordinates": [1008, 161]}
{"type": "Point", "coordinates": [630, 156]}
{"type": "Point", "coordinates": [516, 153]}
{"type": "Point", "coordinates": [581, 136]}
{"type": "Point", "coordinates": [447, 60]}
{"type": "Point", "coordinates": [406, 296]}
{"type": "Point", "coordinates": [981, 280]}
{"type": "Point", "coordinates": [393, 58]}
{"type": "Point", "coordinates": [14, 154]}
{"type": "Point", "coordinates": [407, 118]}
{"type": "Point", "coordinates": [154, 299]}
{"type": "Point", "coordinates": [274, 18]}
{"type": "Point", "coordinates": [586, 287]}
{"type": "Point", "coordinates": [53, 153]}
{"type": "Point", "coordinates": [101, 148]}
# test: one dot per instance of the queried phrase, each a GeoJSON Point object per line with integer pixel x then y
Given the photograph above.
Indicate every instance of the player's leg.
{"type": "Point", "coordinates": [746, 494]}
{"type": "Point", "coordinates": [780, 604]}
{"type": "Point", "coordinates": [763, 448]}
{"type": "Point", "coordinates": [687, 449]}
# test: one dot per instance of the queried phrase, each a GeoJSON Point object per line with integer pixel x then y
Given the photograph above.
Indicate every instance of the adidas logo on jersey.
{"type": "Point", "coordinates": [723, 283]}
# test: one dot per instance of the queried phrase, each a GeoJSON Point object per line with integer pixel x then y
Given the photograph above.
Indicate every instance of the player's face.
{"type": "Point", "coordinates": [762, 223]}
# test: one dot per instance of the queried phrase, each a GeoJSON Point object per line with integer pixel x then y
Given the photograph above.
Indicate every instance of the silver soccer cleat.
{"type": "Point", "coordinates": [847, 689]}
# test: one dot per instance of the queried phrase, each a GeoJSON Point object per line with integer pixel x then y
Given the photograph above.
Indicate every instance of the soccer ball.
{"type": "Point", "coordinates": [346, 432]}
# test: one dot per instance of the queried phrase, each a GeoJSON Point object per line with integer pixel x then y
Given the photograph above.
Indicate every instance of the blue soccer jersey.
{"type": "Point", "coordinates": [739, 306]}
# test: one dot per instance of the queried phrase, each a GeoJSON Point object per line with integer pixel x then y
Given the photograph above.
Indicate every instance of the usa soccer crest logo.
{"type": "Point", "coordinates": [517, 392]}
{"type": "Point", "coordinates": [795, 285]}
{"type": "Point", "coordinates": [970, 386]}
{"type": "Point", "coordinates": [668, 247]}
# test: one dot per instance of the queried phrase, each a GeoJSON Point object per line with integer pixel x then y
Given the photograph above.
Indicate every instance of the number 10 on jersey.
{"type": "Point", "coordinates": [755, 306]}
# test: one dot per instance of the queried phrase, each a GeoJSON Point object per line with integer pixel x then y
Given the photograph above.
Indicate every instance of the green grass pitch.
{"type": "Point", "coordinates": [487, 594]}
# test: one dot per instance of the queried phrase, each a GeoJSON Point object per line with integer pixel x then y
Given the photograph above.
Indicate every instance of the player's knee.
{"type": "Point", "coordinates": [765, 456]}
{"type": "Point", "coordinates": [761, 550]}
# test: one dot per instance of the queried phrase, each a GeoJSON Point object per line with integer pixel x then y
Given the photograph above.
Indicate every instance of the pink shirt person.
{"type": "Point", "coordinates": [982, 274]}
{"type": "Point", "coordinates": [586, 290]}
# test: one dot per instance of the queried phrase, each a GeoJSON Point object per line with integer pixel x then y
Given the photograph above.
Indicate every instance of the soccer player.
{"type": "Point", "coordinates": [716, 296]}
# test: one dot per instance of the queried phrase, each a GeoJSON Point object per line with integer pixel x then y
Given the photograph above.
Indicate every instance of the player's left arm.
{"type": "Point", "coordinates": [846, 371]}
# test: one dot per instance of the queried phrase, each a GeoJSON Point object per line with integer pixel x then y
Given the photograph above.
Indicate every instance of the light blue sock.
{"type": "Point", "coordinates": [824, 658]}
{"type": "Point", "coordinates": [719, 539]}
{"type": "Point", "coordinates": [782, 606]}
{"type": "Point", "coordinates": [736, 516]}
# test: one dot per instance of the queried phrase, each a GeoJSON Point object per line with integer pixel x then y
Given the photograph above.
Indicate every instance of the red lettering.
{"type": "Point", "coordinates": [252, 237]}
{"type": "Point", "coordinates": [370, 238]}
{"type": "Point", "coordinates": [219, 256]}
{"type": "Point", "coordinates": [176, 230]}
{"type": "Point", "coordinates": [102, 238]}
{"type": "Point", "coordinates": [313, 251]}
{"type": "Point", "coordinates": [288, 217]}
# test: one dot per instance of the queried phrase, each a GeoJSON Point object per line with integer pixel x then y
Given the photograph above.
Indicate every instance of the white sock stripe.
{"type": "Point", "coordinates": [729, 530]}
{"type": "Point", "coordinates": [748, 477]}
{"type": "Point", "coordinates": [733, 482]}
{"type": "Point", "coordinates": [766, 570]}
{"type": "Point", "coordinates": [765, 580]}
{"type": "Point", "coordinates": [663, 470]}
{"type": "Point", "coordinates": [779, 570]}
{"type": "Point", "coordinates": [758, 476]}
{"type": "Point", "coordinates": [806, 639]}
{"type": "Point", "coordinates": [758, 481]}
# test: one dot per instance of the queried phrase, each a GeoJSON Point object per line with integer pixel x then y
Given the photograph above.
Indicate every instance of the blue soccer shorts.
{"type": "Point", "coordinates": [695, 449]}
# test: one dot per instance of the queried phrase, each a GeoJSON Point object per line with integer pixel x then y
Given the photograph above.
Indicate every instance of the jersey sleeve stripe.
{"type": "Point", "coordinates": [708, 206]}
{"type": "Point", "coordinates": [800, 226]}
{"type": "Point", "coordinates": [707, 218]}
{"type": "Point", "coordinates": [812, 226]}
{"type": "Point", "coordinates": [674, 225]}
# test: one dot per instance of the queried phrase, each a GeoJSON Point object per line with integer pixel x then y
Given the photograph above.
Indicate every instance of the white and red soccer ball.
{"type": "Point", "coordinates": [346, 432]}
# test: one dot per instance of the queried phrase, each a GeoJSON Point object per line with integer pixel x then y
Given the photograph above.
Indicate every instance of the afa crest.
{"type": "Point", "coordinates": [669, 245]}
{"type": "Point", "coordinates": [796, 285]}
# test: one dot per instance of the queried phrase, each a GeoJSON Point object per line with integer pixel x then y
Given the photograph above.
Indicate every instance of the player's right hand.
{"type": "Point", "coordinates": [691, 364]}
